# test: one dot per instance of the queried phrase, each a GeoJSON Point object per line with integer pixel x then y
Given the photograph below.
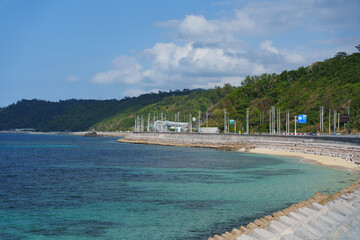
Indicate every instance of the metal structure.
{"type": "Point", "coordinates": [225, 128]}
{"type": "Point", "coordinates": [165, 126]}
{"type": "Point", "coordinates": [321, 119]}
{"type": "Point", "coordinates": [247, 121]}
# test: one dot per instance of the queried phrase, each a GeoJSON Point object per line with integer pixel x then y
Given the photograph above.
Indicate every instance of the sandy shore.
{"type": "Point", "coordinates": [310, 158]}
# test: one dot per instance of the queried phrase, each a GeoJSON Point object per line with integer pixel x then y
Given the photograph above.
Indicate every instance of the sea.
{"type": "Point", "coordinates": [74, 187]}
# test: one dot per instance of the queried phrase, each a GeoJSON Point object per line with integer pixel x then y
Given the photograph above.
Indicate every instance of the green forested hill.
{"type": "Point", "coordinates": [333, 84]}
{"type": "Point", "coordinates": [72, 115]}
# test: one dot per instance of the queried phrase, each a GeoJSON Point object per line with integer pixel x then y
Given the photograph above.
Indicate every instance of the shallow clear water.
{"type": "Point", "coordinates": [72, 187]}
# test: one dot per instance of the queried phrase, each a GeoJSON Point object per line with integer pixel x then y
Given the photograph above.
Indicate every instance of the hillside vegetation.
{"type": "Point", "coordinates": [333, 84]}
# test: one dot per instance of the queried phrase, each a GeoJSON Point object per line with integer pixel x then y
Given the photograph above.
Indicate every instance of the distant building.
{"type": "Point", "coordinates": [209, 130]}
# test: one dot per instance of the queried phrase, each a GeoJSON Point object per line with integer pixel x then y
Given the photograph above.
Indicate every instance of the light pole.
{"type": "Point", "coordinates": [225, 121]}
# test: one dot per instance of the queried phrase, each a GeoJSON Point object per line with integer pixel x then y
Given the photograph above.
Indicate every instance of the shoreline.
{"type": "Point", "coordinates": [323, 160]}
{"type": "Point", "coordinates": [341, 156]}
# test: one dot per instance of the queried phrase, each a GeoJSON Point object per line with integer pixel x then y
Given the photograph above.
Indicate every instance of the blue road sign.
{"type": "Point", "coordinates": [302, 119]}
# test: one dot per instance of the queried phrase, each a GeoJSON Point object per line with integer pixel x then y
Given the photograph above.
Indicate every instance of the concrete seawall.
{"type": "Point", "coordinates": [347, 148]}
{"type": "Point", "coordinates": [236, 138]}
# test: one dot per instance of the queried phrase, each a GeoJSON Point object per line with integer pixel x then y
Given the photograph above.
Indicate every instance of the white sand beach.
{"type": "Point", "coordinates": [319, 159]}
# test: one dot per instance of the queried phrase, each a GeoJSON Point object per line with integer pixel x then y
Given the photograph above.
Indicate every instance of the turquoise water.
{"type": "Point", "coordinates": [72, 187]}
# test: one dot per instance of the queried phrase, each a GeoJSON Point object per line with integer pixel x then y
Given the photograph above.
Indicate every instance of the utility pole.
{"type": "Point", "coordinates": [348, 112]}
{"type": "Point", "coordinates": [228, 120]}
{"type": "Point", "coordinates": [322, 119]}
{"type": "Point", "coordinates": [225, 121]}
{"type": "Point", "coordinates": [279, 121]}
{"type": "Point", "coordinates": [190, 118]}
{"type": "Point", "coordinates": [329, 120]}
{"type": "Point", "coordinates": [270, 122]}
{"type": "Point", "coordinates": [247, 121]}
{"type": "Point", "coordinates": [295, 124]}
{"type": "Point", "coordinates": [335, 115]}
{"type": "Point", "coordinates": [138, 124]}
{"type": "Point", "coordinates": [288, 122]}
{"type": "Point", "coordinates": [199, 122]}
{"type": "Point", "coordinates": [260, 118]}
{"type": "Point", "coordinates": [273, 120]}
{"type": "Point", "coordinates": [148, 123]}
{"type": "Point", "coordinates": [338, 121]}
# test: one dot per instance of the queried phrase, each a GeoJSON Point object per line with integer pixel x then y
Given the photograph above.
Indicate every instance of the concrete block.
{"type": "Point", "coordinates": [235, 232]}
{"type": "Point", "coordinates": [290, 237]}
{"type": "Point", "coordinates": [317, 207]}
{"type": "Point", "coordinates": [245, 237]}
{"type": "Point", "coordinates": [307, 212]}
{"type": "Point", "coordinates": [310, 229]}
{"type": "Point", "coordinates": [349, 197]}
{"type": "Point", "coordinates": [279, 229]}
{"type": "Point", "coordinates": [339, 210]}
{"type": "Point", "coordinates": [217, 237]}
{"type": "Point", "coordinates": [356, 204]}
{"type": "Point", "coordinates": [302, 234]}
{"type": "Point", "coordinates": [345, 205]}
{"type": "Point", "coordinates": [297, 217]}
{"type": "Point", "coordinates": [334, 216]}
{"type": "Point", "coordinates": [327, 221]}
{"type": "Point", "coordinates": [318, 225]}
{"type": "Point", "coordinates": [262, 234]}
{"type": "Point", "coordinates": [268, 218]}
{"type": "Point", "coordinates": [226, 235]}
{"type": "Point", "coordinates": [288, 221]}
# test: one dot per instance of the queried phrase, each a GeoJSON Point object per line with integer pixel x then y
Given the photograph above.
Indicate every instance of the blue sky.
{"type": "Point", "coordinates": [106, 49]}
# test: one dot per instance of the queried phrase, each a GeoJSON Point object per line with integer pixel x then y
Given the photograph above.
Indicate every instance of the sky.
{"type": "Point", "coordinates": [108, 49]}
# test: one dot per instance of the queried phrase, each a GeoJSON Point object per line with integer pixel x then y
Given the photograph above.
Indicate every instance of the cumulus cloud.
{"type": "Point", "coordinates": [211, 52]}
{"type": "Point", "coordinates": [267, 45]}
{"type": "Point", "coordinates": [73, 78]}
{"type": "Point", "coordinates": [125, 69]}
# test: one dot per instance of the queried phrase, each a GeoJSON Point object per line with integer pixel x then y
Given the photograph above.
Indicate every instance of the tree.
{"type": "Point", "coordinates": [358, 47]}
{"type": "Point", "coordinates": [341, 55]}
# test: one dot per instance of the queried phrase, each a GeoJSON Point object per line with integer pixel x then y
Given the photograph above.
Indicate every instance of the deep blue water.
{"type": "Point", "coordinates": [72, 187]}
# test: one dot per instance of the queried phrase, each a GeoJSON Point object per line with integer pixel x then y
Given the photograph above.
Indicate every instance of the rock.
{"type": "Point", "coordinates": [91, 134]}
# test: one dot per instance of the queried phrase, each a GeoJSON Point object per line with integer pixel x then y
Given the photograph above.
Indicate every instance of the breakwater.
{"type": "Point", "coordinates": [321, 216]}
{"type": "Point", "coordinates": [347, 148]}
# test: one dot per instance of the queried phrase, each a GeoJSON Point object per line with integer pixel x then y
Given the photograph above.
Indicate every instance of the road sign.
{"type": "Point", "coordinates": [231, 121]}
{"type": "Point", "coordinates": [344, 119]}
{"type": "Point", "coordinates": [302, 119]}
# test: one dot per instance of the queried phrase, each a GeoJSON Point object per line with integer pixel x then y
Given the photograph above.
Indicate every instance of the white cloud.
{"type": "Point", "coordinates": [73, 78]}
{"type": "Point", "coordinates": [267, 45]}
{"type": "Point", "coordinates": [211, 52]}
{"type": "Point", "coordinates": [126, 70]}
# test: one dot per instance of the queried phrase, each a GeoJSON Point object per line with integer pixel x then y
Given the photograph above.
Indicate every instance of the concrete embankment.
{"type": "Point", "coordinates": [320, 217]}
{"type": "Point", "coordinates": [346, 149]}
